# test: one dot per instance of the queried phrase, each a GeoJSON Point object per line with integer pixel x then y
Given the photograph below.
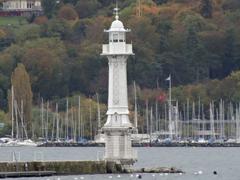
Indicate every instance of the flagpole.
{"type": "Point", "coordinates": [170, 106]}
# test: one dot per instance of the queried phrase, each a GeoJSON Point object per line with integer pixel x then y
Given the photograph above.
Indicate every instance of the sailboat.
{"type": "Point", "coordinates": [15, 112]}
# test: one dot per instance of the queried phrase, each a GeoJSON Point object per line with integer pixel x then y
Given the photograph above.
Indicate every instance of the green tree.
{"type": "Point", "coordinates": [23, 94]}
{"type": "Point", "coordinates": [6, 130]}
{"type": "Point", "coordinates": [73, 2]}
{"type": "Point", "coordinates": [56, 28]}
{"type": "Point", "coordinates": [45, 61]}
{"type": "Point", "coordinates": [196, 55]}
{"type": "Point", "coordinates": [49, 7]}
{"type": "Point", "coordinates": [230, 59]}
{"type": "Point", "coordinates": [159, 2]}
{"type": "Point", "coordinates": [87, 8]}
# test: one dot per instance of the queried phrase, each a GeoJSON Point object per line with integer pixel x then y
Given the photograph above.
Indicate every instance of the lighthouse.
{"type": "Point", "coordinates": [118, 128]}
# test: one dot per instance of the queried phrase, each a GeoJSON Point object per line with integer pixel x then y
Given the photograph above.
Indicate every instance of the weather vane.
{"type": "Point", "coordinates": [116, 11]}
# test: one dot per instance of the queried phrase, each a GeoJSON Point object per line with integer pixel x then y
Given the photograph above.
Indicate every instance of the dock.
{"type": "Point", "coordinates": [26, 174]}
{"type": "Point", "coordinates": [51, 168]}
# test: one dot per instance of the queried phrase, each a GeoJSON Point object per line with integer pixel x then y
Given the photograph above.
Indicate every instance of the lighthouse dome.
{"type": "Point", "coordinates": [117, 26]}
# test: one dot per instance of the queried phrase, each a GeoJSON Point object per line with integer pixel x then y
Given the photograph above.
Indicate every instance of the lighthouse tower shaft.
{"type": "Point", "coordinates": [118, 128]}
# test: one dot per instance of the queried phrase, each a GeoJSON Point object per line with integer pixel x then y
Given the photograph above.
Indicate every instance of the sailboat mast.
{"type": "Point", "coordinates": [73, 125]}
{"type": "Point", "coordinates": [176, 120]}
{"type": "Point", "coordinates": [90, 121]}
{"type": "Point", "coordinates": [170, 107]}
{"type": "Point", "coordinates": [203, 120]}
{"type": "Point", "coordinates": [46, 136]}
{"type": "Point", "coordinates": [42, 123]}
{"type": "Point", "coordinates": [66, 132]}
{"type": "Point", "coordinates": [12, 112]}
{"type": "Point", "coordinates": [22, 121]}
{"type": "Point", "coordinates": [156, 116]}
{"type": "Point", "coordinates": [135, 108]}
{"type": "Point", "coordinates": [188, 120]}
{"type": "Point", "coordinates": [57, 118]}
{"type": "Point", "coordinates": [79, 117]}
{"type": "Point", "coordinates": [147, 119]}
{"type": "Point", "coordinates": [16, 115]}
{"type": "Point", "coordinates": [98, 113]}
{"type": "Point", "coordinates": [151, 124]}
{"type": "Point", "coordinates": [53, 127]}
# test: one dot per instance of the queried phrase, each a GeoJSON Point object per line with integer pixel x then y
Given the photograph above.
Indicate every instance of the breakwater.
{"type": "Point", "coordinates": [49, 168]}
{"type": "Point", "coordinates": [62, 167]}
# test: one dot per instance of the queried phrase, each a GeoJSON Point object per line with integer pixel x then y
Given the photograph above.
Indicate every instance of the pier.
{"type": "Point", "coordinates": [51, 168]}
{"type": "Point", "coordinates": [60, 167]}
{"type": "Point", "coordinates": [26, 174]}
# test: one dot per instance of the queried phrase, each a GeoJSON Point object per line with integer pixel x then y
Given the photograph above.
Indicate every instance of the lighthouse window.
{"type": "Point", "coordinates": [121, 37]}
{"type": "Point", "coordinates": [30, 5]}
{"type": "Point", "coordinates": [115, 37]}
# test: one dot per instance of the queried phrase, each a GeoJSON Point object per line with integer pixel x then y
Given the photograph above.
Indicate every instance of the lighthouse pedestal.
{"type": "Point", "coordinates": [118, 146]}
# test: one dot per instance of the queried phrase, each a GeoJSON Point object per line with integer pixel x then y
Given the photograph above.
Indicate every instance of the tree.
{"type": "Point", "coordinates": [206, 8]}
{"type": "Point", "coordinates": [163, 28]}
{"type": "Point", "coordinates": [159, 2]}
{"type": "Point", "coordinates": [196, 55]}
{"type": "Point", "coordinates": [48, 74]}
{"type": "Point", "coordinates": [230, 59]}
{"type": "Point", "coordinates": [23, 94]}
{"type": "Point", "coordinates": [28, 32]}
{"type": "Point", "coordinates": [56, 28]}
{"type": "Point", "coordinates": [6, 39]}
{"type": "Point", "coordinates": [87, 8]}
{"type": "Point", "coordinates": [231, 5]}
{"type": "Point", "coordinates": [74, 2]}
{"type": "Point", "coordinates": [41, 20]}
{"type": "Point", "coordinates": [49, 7]}
{"type": "Point", "coordinates": [67, 12]}
{"type": "Point", "coordinates": [7, 125]}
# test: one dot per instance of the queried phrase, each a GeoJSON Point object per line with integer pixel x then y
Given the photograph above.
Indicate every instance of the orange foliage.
{"type": "Point", "coordinates": [40, 59]}
{"type": "Point", "coordinates": [168, 12]}
{"type": "Point", "coordinates": [41, 20]}
{"type": "Point", "coordinates": [2, 33]}
{"type": "Point", "coordinates": [67, 12]}
{"type": "Point", "coordinates": [150, 9]}
{"type": "Point", "coordinates": [95, 29]}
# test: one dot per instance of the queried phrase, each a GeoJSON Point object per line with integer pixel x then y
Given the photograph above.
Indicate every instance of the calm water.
{"type": "Point", "coordinates": [226, 161]}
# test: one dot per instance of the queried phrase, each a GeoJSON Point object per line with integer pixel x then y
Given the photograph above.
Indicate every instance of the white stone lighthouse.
{"type": "Point", "coordinates": [118, 128]}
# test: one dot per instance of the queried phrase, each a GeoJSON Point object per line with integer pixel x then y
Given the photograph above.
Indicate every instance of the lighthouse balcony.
{"type": "Point", "coordinates": [117, 49]}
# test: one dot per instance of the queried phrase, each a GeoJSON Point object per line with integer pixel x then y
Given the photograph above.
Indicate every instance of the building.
{"type": "Point", "coordinates": [25, 8]}
{"type": "Point", "coordinates": [118, 128]}
{"type": "Point", "coordinates": [21, 5]}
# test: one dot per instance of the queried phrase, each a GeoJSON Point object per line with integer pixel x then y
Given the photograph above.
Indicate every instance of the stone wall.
{"type": "Point", "coordinates": [63, 167]}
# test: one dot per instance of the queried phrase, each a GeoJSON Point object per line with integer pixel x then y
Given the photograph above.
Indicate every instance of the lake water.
{"type": "Point", "coordinates": [226, 161]}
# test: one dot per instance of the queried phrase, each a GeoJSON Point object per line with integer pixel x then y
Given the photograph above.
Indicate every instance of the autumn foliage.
{"type": "Point", "coordinates": [41, 20]}
{"type": "Point", "coordinates": [67, 12]}
{"type": "Point", "coordinates": [197, 42]}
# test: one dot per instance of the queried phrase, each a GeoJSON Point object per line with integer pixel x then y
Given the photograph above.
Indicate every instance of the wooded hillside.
{"type": "Point", "coordinates": [195, 41]}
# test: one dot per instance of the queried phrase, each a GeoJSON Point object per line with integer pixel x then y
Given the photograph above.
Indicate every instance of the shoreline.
{"type": "Point", "coordinates": [143, 145]}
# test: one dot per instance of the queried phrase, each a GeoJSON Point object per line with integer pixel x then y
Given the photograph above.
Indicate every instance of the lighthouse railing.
{"type": "Point", "coordinates": [118, 48]}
